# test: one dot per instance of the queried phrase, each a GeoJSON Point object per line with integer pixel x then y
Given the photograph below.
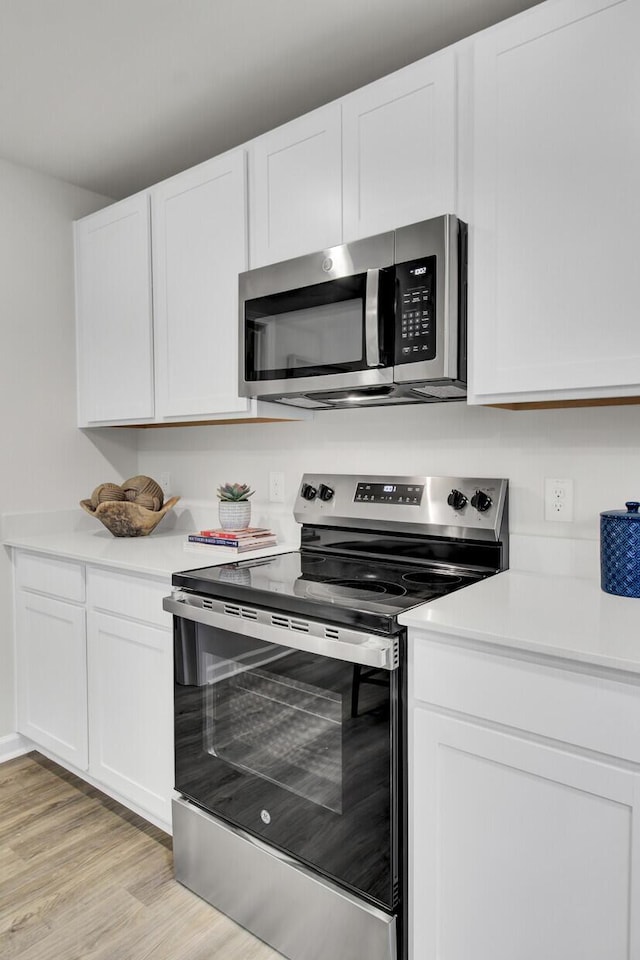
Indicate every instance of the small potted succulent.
{"type": "Point", "coordinates": [234, 511]}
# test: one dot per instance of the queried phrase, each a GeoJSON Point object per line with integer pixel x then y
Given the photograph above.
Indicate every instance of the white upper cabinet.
{"type": "Point", "coordinates": [113, 313]}
{"type": "Point", "coordinates": [553, 239]}
{"type": "Point", "coordinates": [296, 187]}
{"type": "Point", "coordinates": [399, 148]}
{"type": "Point", "coordinates": [380, 158]}
{"type": "Point", "coordinates": [179, 317]}
{"type": "Point", "coordinates": [199, 248]}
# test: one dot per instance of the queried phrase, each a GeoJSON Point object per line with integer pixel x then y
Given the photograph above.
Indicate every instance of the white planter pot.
{"type": "Point", "coordinates": [234, 515]}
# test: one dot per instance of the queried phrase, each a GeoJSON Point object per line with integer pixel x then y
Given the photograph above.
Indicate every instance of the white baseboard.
{"type": "Point", "coordinates": [12, 746]}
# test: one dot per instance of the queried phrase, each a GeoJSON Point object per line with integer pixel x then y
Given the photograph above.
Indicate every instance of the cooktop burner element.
{"type": "Point", "coordinates": [355, 588]}
{"type": "Point", "coordinates": [369, 551]}
{"type": "Point", "coordinates": [431, 579]}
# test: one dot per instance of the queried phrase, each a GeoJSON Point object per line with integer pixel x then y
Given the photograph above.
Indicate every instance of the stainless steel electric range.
{"type": "Point", "coordinates": [290, 708]}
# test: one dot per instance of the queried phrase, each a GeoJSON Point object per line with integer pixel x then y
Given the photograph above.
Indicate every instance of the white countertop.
{"type": "Point", "coordinates": [158, 554]}
{"type": "Point", "coordinates": [566, 617]}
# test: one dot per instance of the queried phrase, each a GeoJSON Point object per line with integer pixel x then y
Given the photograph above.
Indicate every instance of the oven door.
{"type": "Point", "coordinates": [320, 322]}
{"type": "Point", "coordinates": [299, 748]}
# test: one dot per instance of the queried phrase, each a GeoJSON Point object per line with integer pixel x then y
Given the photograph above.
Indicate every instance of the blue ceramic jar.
{"type": "Point", "coordinates": [620, 550]}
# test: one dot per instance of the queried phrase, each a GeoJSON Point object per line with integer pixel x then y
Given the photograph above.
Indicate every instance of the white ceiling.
{"type": "Point", "coordinates": [114, 95]}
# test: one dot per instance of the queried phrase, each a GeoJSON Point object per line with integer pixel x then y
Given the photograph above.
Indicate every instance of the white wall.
{"type": "Point", "coordinates": [46, 462]}
{"type": "Point", "coordinates": [599, 448]}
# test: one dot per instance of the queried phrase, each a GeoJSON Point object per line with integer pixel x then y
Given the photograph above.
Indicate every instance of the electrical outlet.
{"type": "Point", "coordinates": [165, 482]}
{"type": "Point", "coordinates": [276, 487]}
{"type": "Point", "coordinates": [558, 500]}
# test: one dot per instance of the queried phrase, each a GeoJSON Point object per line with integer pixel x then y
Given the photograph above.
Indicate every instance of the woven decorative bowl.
{"type": "Point", "coordinates": [126, 519]}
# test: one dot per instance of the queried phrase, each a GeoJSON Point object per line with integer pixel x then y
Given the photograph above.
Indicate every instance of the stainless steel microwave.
{"type": "Point", "coordinates": [377, 321]}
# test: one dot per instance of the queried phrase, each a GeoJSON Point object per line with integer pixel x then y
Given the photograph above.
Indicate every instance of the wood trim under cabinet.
{"type": "Point", "coordinates": [557, 404]}
{"type": "Point", "coordinates": [201, 423]}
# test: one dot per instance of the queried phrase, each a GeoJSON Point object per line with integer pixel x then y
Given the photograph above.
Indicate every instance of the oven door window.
{"type": "Point", "coordinates": [295, 748]}
{"type": "Point", "coordinates": [313, 331]}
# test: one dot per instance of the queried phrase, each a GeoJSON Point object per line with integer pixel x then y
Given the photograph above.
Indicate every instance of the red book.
{"type": "Point", "coordinates": [237, 534]}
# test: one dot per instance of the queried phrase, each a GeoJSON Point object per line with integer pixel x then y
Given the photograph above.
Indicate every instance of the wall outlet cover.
{"type": "Point", "coordinates": [558, 499]}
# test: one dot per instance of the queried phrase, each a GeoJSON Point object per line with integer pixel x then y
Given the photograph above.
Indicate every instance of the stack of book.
{"type": "Point", "coordinates": [232, 541]}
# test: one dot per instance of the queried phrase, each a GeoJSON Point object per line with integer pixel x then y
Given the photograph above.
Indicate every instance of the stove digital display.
{"type": "Point", "coordinates": [404, 493]}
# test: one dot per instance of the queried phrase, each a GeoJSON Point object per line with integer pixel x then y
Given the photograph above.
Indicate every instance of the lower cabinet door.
{"type": "Point", "coordinates": [130, 669]}
{"type": "Point", "coordinates": [52, 675]}
{"type": "Point", "coordinates": [520, 850]}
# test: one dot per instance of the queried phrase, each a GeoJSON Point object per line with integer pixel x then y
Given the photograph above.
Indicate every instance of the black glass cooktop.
{"type": "Point", "coordinates": [350, 590]}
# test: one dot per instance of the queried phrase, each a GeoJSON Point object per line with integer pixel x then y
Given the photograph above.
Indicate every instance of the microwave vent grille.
{"type": "Point", "coordinates": [445, 391]}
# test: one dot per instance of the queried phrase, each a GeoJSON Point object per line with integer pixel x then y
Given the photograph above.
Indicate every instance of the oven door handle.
{"type": "Point", "coordinates": [353, 646]}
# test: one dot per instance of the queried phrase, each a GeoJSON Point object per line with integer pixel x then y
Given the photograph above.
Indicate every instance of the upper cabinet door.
{"type": "Point", "coordinates": [399, 156]}
{"type": "Point", "coordinates": [113, 313]}
{"type": "Point", "coordinates": [553, 243]}
{"type": "Point", "coordinates": [199, 230]}
{"type": "Point", "coordinates": [296, 188]}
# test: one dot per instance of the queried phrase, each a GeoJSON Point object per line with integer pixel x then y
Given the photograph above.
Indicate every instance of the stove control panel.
{"type": "Point", "coordinates": [408, 494]}
{"type": "Point", "coordinates": [473, 508]}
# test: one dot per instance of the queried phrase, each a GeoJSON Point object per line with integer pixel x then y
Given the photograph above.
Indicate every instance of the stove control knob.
{"type": "Point", "coordinates": [326, 493]}
{"type": "Point", "coordinates": [308, 492]}
{"type": "Point", "coordinates": [481, 501]}
{"type": "Point", "coordinates": [457, 500]}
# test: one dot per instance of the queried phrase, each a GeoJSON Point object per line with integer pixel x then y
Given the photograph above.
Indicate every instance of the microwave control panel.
{"type": "Point", "coordinates": [416, 317]}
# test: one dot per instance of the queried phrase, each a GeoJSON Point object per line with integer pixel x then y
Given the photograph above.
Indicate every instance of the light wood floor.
{"type": "Point", "coordinates": [82, 878]}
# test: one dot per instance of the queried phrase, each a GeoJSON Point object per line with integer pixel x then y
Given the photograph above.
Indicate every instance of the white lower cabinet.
{"type": "Point", "coordinates": [52, 684]}
{"type": "Point", "coordinates": [130, 690]}
{"type": "Point", "coordinates": [521, 846]}
{"type": "Point", "coordinates": [130, 721]}
{"type": "Point", "coordinates": [51, 657]}
{"type": "Point", "coordinates": [95, 676]}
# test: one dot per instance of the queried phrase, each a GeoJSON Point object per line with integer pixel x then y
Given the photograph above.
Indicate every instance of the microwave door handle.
{"type": "Point", "coordinates": [371, 337]}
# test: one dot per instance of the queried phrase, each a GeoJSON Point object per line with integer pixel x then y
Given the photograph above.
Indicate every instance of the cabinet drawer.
{"type": "Point", "coordinates": [579, 708]}
{"type": "Point", "coordinates": [62, 579]}
{"type": "Point", "coordinates": [128, 595]}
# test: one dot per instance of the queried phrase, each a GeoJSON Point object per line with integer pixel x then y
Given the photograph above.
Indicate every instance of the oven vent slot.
{"type": "Point", "coordinates": [235, 610]}
{"type": "Point", "coordinates": [332, 633]}
{"type": "Point", "coordinates": [395, 895]}
{"type": "Point", "coordinates": [396, 655]}
{"type": "Point", "coordinates": [289, 623]}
